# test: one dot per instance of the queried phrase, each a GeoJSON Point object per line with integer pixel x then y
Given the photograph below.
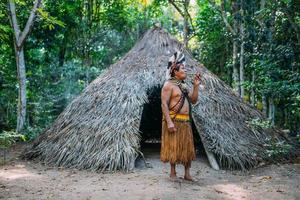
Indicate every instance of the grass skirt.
{"type": "Point", "coordinates": [178, 147]}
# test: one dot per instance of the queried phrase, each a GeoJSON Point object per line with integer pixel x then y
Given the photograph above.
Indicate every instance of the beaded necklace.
{"type": "Point", "coordinates": [180, 83]}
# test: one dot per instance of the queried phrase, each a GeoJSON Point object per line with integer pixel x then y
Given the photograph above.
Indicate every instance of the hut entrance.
{"type": "Point", "coordinates": [150, 127]}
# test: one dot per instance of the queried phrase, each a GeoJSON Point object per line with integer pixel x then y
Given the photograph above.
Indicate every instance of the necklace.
{"type": "Point", "coordinates": [179, 83]}
{"type": "Point", "coordinates": [175, 81]}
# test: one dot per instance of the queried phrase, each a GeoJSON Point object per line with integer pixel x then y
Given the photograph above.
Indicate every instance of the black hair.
{"type": "Point", "coordinates": [177, 67]}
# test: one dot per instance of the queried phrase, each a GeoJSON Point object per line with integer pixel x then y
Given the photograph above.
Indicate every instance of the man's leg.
{"type": "Point", "coordinates": [173, 170]}
{"type": "Point", "coordinates": [187, 175]}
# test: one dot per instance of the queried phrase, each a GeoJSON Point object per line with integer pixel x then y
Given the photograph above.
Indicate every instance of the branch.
{"type": "Point", "coordinates": [190, 18]}
{"type": "Point", "coordinates": [14, 21]}
{"type": "Point", "coordinates": [223, 14]}
{"type": "Point", "coordinates": [261, 9]}
{"type": "Point", "coordinates": [177, 8]}
{"type": "Point", "coordinates": [192, 36]}
{"type": "Point", "coordinates": [182, 14]}
{"type": "Point", "coordinates": [29, 22]}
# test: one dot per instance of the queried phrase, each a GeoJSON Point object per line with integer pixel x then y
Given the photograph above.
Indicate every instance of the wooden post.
{"type": "Point", "coordinates": [211, 157]}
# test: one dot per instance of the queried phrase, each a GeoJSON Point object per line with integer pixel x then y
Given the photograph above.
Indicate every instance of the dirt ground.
{"type": "Point", "coordinates": [32, 180]}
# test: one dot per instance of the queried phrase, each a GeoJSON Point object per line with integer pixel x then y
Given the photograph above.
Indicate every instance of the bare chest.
{"type": "Point", "coordinates": [176, 96]}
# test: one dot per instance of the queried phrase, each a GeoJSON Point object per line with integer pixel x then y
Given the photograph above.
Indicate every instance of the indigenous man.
{"type": "Point", "coordinates": [177, 145]}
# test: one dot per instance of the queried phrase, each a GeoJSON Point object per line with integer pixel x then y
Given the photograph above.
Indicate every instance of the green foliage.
{"type": "Point", "coordinates": [277, 149]}
{"type": "Point", "coordinates": [73, 41]}
{"type": "Point", "coordinates": [259, 123]}
{"type": "Point", "coordinates": [214, 40]}
{"type": "Point", "coordinates": [271, 51]}
{"type": "Point", "coordinates": [7, 138]}
{"type": "Point", "coordinates": [31, 132]}
{"type": "Point", "coordinates": [49, 21]}
{"type": "Point", "coordinates": [4, 26]}
{"type": "Point", "coordinates": [60, 62]}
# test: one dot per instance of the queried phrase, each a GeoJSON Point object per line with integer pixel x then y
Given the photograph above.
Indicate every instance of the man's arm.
{"type": "Point", "coordinates": [166, 93]}
{"type": "Point", "coordinates": [193, 95]}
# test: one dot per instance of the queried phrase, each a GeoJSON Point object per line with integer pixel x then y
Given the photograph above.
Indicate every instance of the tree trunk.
{"type": "Point", "coordinates": [285, 113]}
{"type": "Point", "coordinates": [19, 39]}
{"type": "Point", "coordinates": [235, 74]}
{"type": "Point", "coordinates": [233, 30]}
{"type": "Point", "coordinates": [242, 33]}
{"type": "Point", "coordinates": [21, 114]}
{"type": "Point", "coordinates": [264, 103]}
{"type": "Point", "coordinates": [185, 14]}
{"type": "Point", "coordinates": [185, 33]}
{"type": "Point", "coordinates": [262, 4]}
{"type": "Point", "coordinates": [222, 64]}
{"type": "Point", "coordinates": [185, 24]}
{"type": "Point", "coordinates": [252, 96]}
{"type": "Point", "coordinates": [271, 111]}
{"type": "Point", "coordinates": [62, 53]}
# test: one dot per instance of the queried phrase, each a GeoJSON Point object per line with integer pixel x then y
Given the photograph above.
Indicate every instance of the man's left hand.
{"type": "Point", "coordinates": [197, 79]}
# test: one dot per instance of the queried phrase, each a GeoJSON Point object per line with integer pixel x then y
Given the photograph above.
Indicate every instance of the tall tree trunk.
{"type": "Point", "coordinates": [88, 38]}
{"type": "Point", "coordinates": [242, 34]}
{"type": "Point", "coordinates": [235, 75]}
{"type": "Point", "coordinates": [186, 23]}
{"type": "Point", "coordinates": [19, 40]}
{"type": "Point", "coordinates": [21, 114]}
{"type": "Point", "coordinates": [271, 110]}
{"type": "Point", "coordinates": [242, 89]}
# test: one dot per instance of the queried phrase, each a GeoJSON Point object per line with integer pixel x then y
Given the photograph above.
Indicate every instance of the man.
{"type": "Point", "coordinates": [177, 145]}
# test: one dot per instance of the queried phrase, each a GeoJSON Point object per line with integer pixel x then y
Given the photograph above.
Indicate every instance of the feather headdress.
{"type": "Point", "coordinates": [177, 58]}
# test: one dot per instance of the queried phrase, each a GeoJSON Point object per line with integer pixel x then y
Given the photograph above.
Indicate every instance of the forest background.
{"type": "Point", "coordinates": [253, 45]}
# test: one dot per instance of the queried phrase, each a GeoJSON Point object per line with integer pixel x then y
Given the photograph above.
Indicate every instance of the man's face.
{"type": "Point", "coordinates": [181, 73]}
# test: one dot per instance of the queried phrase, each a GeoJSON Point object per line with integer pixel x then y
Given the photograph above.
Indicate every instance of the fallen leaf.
{"type": "Point", "coordinates": [218, 191]}
{"type": "Point", "coordinates": [266, 178]}
{"type": "Point", "coordinates": [279, 190]}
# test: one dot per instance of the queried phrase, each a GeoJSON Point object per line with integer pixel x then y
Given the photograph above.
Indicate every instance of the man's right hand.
{"type": "Point", "coordinates": [171, 127]}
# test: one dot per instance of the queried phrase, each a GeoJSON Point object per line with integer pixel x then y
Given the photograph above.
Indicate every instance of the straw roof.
{"type": "Point", "coordinates": [99, 130]}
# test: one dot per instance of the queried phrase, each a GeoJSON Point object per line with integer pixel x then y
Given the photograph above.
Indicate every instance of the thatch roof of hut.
{"type": "Point", "coordinates": [99, 129]}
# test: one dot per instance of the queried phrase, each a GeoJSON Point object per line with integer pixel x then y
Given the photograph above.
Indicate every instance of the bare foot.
{"type": "Point", "coordinates": [188, 178]}
{"type": "Point", "coordinates": [173, 176]}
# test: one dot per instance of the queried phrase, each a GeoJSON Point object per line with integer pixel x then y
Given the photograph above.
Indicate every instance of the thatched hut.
{"type": "Point", "coordinates": [100, 129]}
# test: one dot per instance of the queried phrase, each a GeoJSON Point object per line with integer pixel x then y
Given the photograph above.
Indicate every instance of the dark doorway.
{"type": "Point", "coordinates": [150, 126]}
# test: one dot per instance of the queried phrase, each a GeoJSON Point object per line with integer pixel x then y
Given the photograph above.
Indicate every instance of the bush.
{"type": "Point", "coordinates": [276, 149]}
{"type": "Point", "coordinates": [7, 138]}
{"type": "Point", "coordinates": [259, 123]}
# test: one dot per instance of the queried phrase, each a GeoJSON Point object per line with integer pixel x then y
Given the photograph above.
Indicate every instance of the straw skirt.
{"type": "Point", "coordinates": [178, 147]}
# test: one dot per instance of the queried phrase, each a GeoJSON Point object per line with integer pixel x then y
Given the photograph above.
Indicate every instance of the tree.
{"type": "Point", "coordinates": [233, 30]}
{"type": "Point", "coordinates": [214, 43]}
{"type": "Point", "coordinates": [186, 18]}
{"type": "Point", "coordinates": [19, 40]}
